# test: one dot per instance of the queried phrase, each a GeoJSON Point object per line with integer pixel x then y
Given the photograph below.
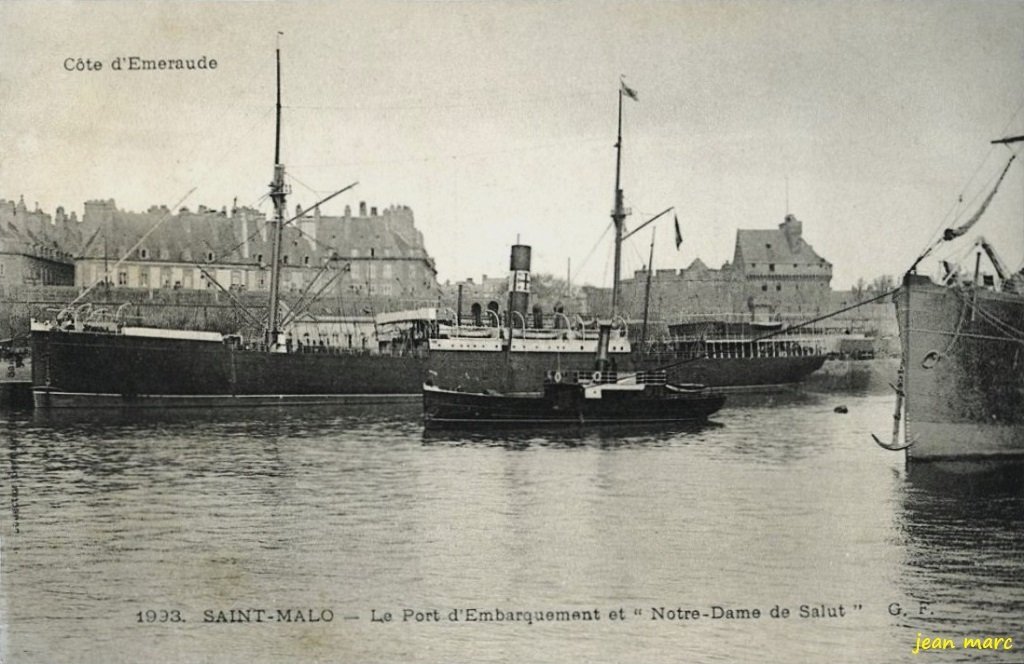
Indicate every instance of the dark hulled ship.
{"type": "Point", "coordinates": [517, 350]}
{"type": "Point", "coordinates": [82, 363]}
{"type": "Point", "coordinates": [576, 399]}
{"type": "Point", "coordinates": [78, 362]}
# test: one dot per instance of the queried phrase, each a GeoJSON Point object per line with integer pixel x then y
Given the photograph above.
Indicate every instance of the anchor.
{"type": "Point", "coordinates": [895, 445]}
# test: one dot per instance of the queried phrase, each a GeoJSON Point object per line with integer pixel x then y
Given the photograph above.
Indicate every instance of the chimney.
{"type": "Point", "coordinates": [793, 229]}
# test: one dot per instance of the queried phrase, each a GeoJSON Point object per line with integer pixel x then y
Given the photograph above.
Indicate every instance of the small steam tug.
{"type": "Point", "coordinates": [575, 398]}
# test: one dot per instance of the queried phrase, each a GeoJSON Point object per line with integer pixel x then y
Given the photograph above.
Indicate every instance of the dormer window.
{"type": "Point", "coordinates": [305, 261]}
{"type": "Point", "coordinates": [259, 258]}
{"type": "Point", "coordinates": [209, 256]}
{"type": "Point", "coordinates": [284, 260]}
{"type": "Point", "coordinates": [143, 253]}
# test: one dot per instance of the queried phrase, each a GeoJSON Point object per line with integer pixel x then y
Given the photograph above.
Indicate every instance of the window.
{"type": "Point", "coordinates": [144, 253]}
{"type": "Point", "coordinates": [122, 278]}
{"type": "Point", "coordinates": [144, 278]}
{"type": "Point", "coordinates": [771, 267]}
{"type": "Point", "coordinates": [305, 261]}
{"type": "Point", "coordinates": [284, 260]}
{"type": "Point", "coordinates": [768, 245]}
{"type": "Point", "coordinates": [259, 258]}
{"type": "Point", "coordinates": [764, 287]}
{"type": "Point", "coordinates": [209, 256]}
{"type": "Point", "coordinates": [386, 271]}
{"type": "Point", "coordinates": [778, 287]}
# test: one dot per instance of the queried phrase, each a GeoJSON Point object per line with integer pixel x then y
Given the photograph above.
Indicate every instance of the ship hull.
{"type": "Point", "coordinates": [963, 370]}
{"type": "Point", "coordinates": [87, 370]}
{"type": "Point", "coordinates": [477, 371]}
{"type": "Point", "coordinates": [444, 409]}
{"type": "Point", "coordinates": [103, 370]}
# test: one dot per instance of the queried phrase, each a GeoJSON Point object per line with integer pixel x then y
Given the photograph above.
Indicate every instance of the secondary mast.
{"type": "Point", "coordinates": [647, 293]}
{"type": "Point", "coordinates": [278, 192]}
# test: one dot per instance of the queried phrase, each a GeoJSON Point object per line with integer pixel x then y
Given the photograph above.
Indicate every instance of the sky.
{"type": "Point", "coordinates": [495, 122]}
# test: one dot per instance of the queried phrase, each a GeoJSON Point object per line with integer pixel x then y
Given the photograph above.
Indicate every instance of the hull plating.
{"type": "Point", "coordinates": [443, 408]}
{"type": "Point", "coordinates": [522, 372]}
{"type": "Point", "coordinates": [81, 369]}
{"type": "Point", "coordinates": [963, 353]}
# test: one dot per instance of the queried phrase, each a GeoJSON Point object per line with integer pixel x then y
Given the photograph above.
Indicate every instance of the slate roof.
{"type": "Point", "coordinates": [782, 245]}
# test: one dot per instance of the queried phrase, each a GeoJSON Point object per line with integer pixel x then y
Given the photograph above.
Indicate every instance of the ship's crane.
{"type": "Point", "coordinates": [997, 262]}
{"type": "Point", "coordinates": [1011, 282]}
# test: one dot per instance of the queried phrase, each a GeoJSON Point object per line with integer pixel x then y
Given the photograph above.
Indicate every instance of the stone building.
{"type": "Point", "coordinates": [774, 272]}
{"type": "Point", "coordinates": [781, 271]}
{"type": "Point", "coordinates": [34, 247]}
{"type": "Point", "coordinates": [371, 255]}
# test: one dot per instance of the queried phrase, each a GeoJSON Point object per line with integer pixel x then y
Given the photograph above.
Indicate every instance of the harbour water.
{"type": "Point", "coordinates": [287, 535]}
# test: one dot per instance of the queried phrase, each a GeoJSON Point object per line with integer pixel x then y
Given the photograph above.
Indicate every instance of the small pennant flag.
{"type": "Point", "coordinates": [628, 91]}
{"type": "Point", "coordinates": [679, 235]}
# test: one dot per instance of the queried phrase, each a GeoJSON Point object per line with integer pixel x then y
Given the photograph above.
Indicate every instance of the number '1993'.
{"type": "Point", "coordinates": [159, 616]}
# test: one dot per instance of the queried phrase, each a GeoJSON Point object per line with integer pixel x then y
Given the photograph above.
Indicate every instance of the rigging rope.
{"type": "Point", "coordinates": [952, 233]}
{"type": "Point", "coordinates": [135, 246]}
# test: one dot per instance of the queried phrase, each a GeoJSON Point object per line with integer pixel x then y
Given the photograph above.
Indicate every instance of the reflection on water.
{"type": "Point", "coordinates": [778, 500]}
{"type": "Point", "coordinates": [619, 435]}
{"type": "Point", "coordinates": [962, 525]}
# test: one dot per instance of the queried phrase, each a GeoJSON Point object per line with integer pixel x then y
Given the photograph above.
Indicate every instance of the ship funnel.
{"type": "Point", "coordinates": [519, 281]}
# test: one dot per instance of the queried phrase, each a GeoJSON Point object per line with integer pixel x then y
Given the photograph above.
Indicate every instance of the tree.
{"type": "Point", "coordinates": [859, 289]}
{"type": "Point", "coordinates": [882, 284]}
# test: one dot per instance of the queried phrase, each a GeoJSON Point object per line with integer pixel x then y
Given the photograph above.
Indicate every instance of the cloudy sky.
{"type": "Point", "coordinates": [869, 121]}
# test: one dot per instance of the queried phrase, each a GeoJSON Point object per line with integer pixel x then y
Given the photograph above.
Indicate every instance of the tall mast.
{"type": "Point", "coordinates": [618, 212]}
{"type": "Point", "coordinates": [618, 215]}
{"type": "Point", "coordinates": [278, 192]}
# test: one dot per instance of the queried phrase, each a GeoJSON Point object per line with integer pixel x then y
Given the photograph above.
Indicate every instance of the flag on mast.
{"type": "Point", "coordinates": [679, 235]}
{"type": "Point", "coordinates": [628, 91]}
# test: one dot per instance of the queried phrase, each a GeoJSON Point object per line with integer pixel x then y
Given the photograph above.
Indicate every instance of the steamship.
{"type": "Point", "coordinates": [83, 363]}
{"type": "Point", "coordinates": [516, 354]}
{"type": "Point", "coordinates": [514, 358]}
{"type": "Point", "coordinates": [961, 388]}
